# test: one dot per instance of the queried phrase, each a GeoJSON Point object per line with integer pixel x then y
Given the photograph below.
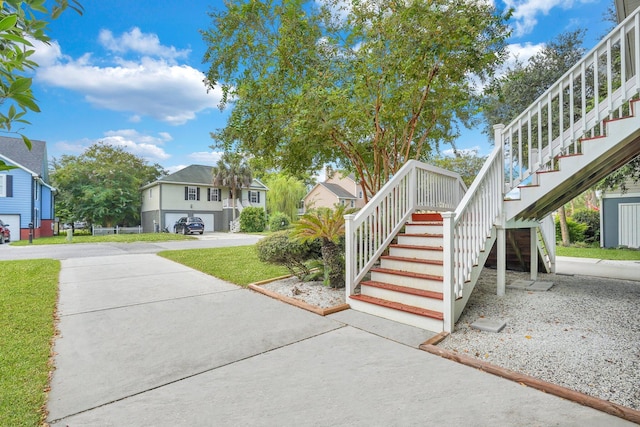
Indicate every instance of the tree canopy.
{"type": "Point", "coordinates": [285, 194]}
{"type": "Point", "coordinates": [19, 27]}
{"type": "Point", "coordinates": [102, 185]}
{"type": "Point", "coordinates": [365, 85]}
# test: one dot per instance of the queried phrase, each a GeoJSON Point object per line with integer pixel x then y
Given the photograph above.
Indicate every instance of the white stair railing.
{"type": "Point", "coordinates": [368, 233]}
{"type": "Point", "coordinates": [594, 90]}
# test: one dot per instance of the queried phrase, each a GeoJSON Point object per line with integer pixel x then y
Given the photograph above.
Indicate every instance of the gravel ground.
{"type": "Point", "coordinates": [314, 293]}
{"type": "Point", "coordinates": [583, 334]}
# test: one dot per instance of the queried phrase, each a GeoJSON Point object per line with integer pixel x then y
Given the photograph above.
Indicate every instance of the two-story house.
{"type": "Point", "coordinates": [26, 197]}
{"type": "Point", "coordinates": [337, 189]}
{"type": "Point", "coordinates": [190, 192]}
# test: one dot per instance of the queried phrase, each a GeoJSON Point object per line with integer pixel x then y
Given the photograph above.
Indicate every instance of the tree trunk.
{"type": "Point", "coordinates": [564, 228]}
{"type": "Point", "coordinates": [333, 264]}
{"type": "Point", "coordinates": [233, 202]}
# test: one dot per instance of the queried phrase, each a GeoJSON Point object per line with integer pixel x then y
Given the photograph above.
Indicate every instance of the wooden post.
{"type": "Point", "coordinates": [534, 253]}
{"type": "Point", "coordinates": [501, 242]}
{"type": "Point", "coordinates": [448, 284]}
{"type": "Point", "coordinates": [349, 256]}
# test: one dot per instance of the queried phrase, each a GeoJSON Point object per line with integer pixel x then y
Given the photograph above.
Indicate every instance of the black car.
{"type": "Point", "coordinates": [188, 225]}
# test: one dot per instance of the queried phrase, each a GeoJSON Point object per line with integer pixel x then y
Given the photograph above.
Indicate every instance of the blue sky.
{"type": "Point", "coordinates": [129, 72]}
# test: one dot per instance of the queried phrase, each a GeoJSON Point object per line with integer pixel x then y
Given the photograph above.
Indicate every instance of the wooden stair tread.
{"type": "Point", "coordinates": [400, 307]}
{"type": "Point", "coordinates": [404, 289]}
{"type": "Point", "coordinates": [425, 223]}
{"type": "Point", "coordinates": [423, 248]}
{"type": "Point", "coordinates": [421, 235]}
{"type": "Point", "coordinates": [408, 274]}
{"type": "Point", "coordinates": [416, 260]}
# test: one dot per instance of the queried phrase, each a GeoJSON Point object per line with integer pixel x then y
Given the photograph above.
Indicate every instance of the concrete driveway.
{"type": "Point", "coordinates": [145, 341]}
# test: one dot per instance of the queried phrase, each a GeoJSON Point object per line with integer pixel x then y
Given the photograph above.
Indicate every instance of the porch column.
{"type": "Point", "coordinates": [534, 253]}
{"type": "Point", "coordinates": [501, 243]}
{"type": "Point", "coordinates": [349, 256]}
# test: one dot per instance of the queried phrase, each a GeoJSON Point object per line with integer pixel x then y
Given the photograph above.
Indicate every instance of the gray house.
{"type": "Point", "coordinates": [620, 217]}
{"type": "Point", "coordinates": [190, 192]}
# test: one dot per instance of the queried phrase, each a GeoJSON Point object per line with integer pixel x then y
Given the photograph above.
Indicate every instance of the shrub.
{"type": "Point", "coordinates": [591, 219]}
{"type": "Point", "coordinates": [281, 249]}
{"type": "Point", "coordinates": [576, 231]}
{"type": "Point", "coordinates": [252, 220]}
{"type": "Point", "coordinates": [279, 221]}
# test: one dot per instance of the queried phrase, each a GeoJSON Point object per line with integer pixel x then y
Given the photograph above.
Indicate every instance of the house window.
{"type": "Point", "coordinates": [214, 194]}
{"type": "Point", "coordinates": [353, 203]}
{"type": "Point", "coordinates": [192, 193]}
{"type": "Point", "coordinates": [359, 194]}
{"type": "Point", "coordinates": [254, 196]}
{"type": "Point", "coordinates": [151, 193]}
{"type": "Point", "coordinates": [6, 185]}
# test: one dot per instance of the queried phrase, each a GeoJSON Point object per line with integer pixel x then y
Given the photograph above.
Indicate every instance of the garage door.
{"type": "Point", "coordinates": [171, 218]}
{"type": "Point", "coordinates": [14, 225]}
{"type": "Point", "coordinates": [208, 221]}
{"type": "Point", "coordinates": [629, 225]}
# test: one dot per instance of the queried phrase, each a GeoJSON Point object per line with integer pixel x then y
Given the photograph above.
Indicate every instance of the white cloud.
{"type": "Point", "coordinates": [522, 52]}
{"type": "Point", "coordinates": [139, 42]}
{"type": "Point", "coordinates": [149, 147]}
{"type": "Point", "coordinates": [176, 168]}
{"type": "Point", "coordinates": [526, 12]}
{"type": "Point", "coordinates": [206, 157]}
{"type": "Point", "coordinates": [143, 87]}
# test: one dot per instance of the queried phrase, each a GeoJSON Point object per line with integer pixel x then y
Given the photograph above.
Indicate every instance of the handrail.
{"type": "Point", "coordinates": [474, 219]}
{"type": "Point", "coordinates": [415, 186]}
{"type": "Point", "coordinates": [576, 106]}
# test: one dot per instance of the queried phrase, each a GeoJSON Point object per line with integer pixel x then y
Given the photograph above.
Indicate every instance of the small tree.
{"type": "Point", "coordinates": [280, 249]}
{"type": "Point", "coordinates": [328, 226]}
{"type": "Point", "coordinates": [232, 171]}
{"type": "Point", "coordinates": [279, 221]}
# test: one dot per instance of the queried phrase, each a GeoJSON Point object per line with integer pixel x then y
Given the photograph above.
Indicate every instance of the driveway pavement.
{"type": "Point", "coordinates": [145, 341]}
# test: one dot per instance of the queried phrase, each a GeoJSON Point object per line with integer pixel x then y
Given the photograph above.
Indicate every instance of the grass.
{"type": "Point", "coordinates": [28, 291]}
{"type": "Point", "coordinates": [599, 253]}
{"type": "Point", "coordinates": [121, 238]}
{"type": "Point", "coordinates": [237, 264]}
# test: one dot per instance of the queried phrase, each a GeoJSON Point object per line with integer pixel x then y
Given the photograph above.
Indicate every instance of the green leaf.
{"type": "Point", "coordinates": [26, 101]}
{"type": "Point", "coordinates": [8, 22]}
{"type": "Point", "coordinates": [20, 85]}
{"type": "Point", "coordinates": [27, 142]}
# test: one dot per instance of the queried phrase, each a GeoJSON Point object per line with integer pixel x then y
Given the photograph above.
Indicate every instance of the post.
{"type": "Point", "coordinates": [448, 290]}
{"type": "Point", "coordinates": [30, 233]}
{"type": "Point", "coordinates": [534, 253]}
{"type": "Point", "coordinates": [349, 256]}
{"type": "Point", "coordinates": [501, 242]}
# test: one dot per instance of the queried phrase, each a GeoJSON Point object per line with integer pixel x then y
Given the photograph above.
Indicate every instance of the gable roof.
{"type": "Point", "coordinates": [199, 175]}
{"type": "Point", "coordinates": [34, 160]}
{"type": "Point", "coordinates": [338, 191]}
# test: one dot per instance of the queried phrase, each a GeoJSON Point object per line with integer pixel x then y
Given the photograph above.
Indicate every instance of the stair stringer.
{"type": "Point", "coordinates": [600, 156]}
{"type": "Point", "coordinates": [461, 302]}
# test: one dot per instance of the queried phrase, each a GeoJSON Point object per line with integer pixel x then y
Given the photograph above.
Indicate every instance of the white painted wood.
{"type": "Point", "coordinates": [415, 267]}
{"type": "Point", "coordinates": [434, 255]}
{"type": "Point", "coordinates": [403, 298]}
{"type": "Point", "coordinates": [423, 228]}
{"type": "Point", "coordinates": [533, 248]}
{"type": "Point", "coordinates": [408, 281]}
{"type": "Point", "coordinates": [419, 240]}
{"type": "Point", "coordinates": [421, 322]}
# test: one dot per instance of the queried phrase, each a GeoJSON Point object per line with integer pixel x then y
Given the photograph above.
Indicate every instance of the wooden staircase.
{"type": "Point", "coordinates": [407, 287]}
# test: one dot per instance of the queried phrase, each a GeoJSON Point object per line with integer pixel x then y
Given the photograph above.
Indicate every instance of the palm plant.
{"type": "Point", "coordinates": [232, 171]}
{"type": "Point", "coordinates": [327, 225]}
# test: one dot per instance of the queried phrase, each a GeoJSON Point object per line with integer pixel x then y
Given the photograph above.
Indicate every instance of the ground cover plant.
{"type": "Point", "coordinates": [117, 238]}
{"type": "Point", "coordinates": [28, 291]}
{"type": "Point", "coordinates": [237, 264]}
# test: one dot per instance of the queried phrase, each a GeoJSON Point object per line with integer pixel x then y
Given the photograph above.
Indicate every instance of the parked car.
{"type": "Point", "coordinates": [188, 225]}
{"type": "Point", "coordinates": [5, 234]}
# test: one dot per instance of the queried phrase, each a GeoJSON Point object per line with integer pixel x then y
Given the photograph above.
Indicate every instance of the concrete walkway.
{"type": "Point", "coordinates": [612, 269]}
{"type": "Point", "coordinates": [148, 342]}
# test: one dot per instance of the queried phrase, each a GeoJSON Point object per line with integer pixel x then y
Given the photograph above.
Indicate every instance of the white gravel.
{"type": "Point", "coordinates": [314, 293]}
{"type": "Point", "coordinates": [583, 334]}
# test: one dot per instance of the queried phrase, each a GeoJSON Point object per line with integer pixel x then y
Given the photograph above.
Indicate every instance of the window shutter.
{"type": "Point", "coordinates": [9, 184]}
{"type": "Point", "coordinates": [198, 193]}
{"type": "Point", "coordinates": [258, 194]}
{"type": "Point", "coordinates": [208, 194]}
{"type": "Point", "coordinates": [186, 193]}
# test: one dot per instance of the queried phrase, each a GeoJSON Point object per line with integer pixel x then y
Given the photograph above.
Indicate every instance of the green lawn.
{"type": "Point", "coordinates": [122, 238]}
{"type": "Point", "coordinates": [28, 291]}
{"type": "Point", "coordinates": [238, 264]}
{"type": "Point", "coordinates": [599, 253]}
